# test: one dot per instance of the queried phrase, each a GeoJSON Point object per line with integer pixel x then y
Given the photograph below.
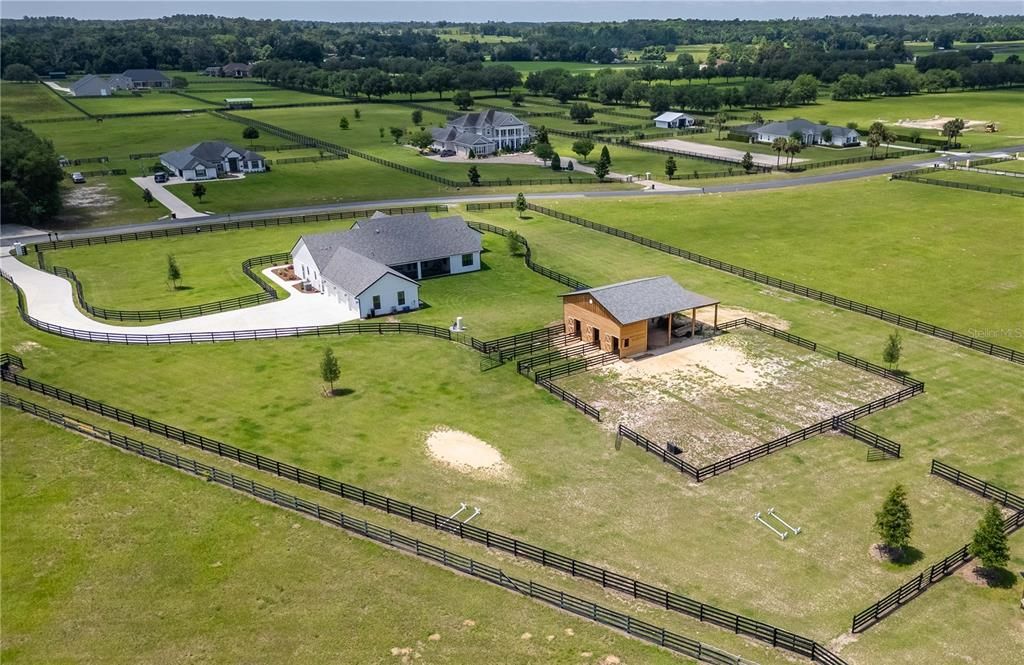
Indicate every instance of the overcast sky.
{"type": "Point", "coordinates": [500, 10]}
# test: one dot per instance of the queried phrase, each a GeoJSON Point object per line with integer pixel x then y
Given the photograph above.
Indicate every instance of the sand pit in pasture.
{"type": "Point", "coordinates": [720, 361]}
{"type": "Point", "coordinates": [464, 452]}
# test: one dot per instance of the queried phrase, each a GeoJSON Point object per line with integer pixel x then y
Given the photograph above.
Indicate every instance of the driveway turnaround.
{"type": "Point", "coordinates": [177, 207]}
{"type": "Point", "coordinates": [50, 299]}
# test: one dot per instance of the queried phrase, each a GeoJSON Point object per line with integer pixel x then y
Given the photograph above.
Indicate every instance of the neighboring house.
{"type": "Point", "coordinates": [674, 120]}
{"type": "Point", "coordinates": [237, 70]}
{"type": "Point", "coordinates": [99, 86]}
{"type": "Point", "coordinates": [147, 78]}
{"type": "Point", "coordinates": [632, 317]}
{"type": "Point", "coordinates": [374, 267]}
{"type": "Point", "coordinates": [810, 133]}
{"type": "Point", "coordinates": [211, 159]}
{"type": "Point", "coordinates": [211, 71]}
{"type": "Point", "coordinates": [485, 133]}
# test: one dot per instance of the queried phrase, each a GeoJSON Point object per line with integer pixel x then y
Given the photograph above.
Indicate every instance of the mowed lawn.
{"type": "Point", "coordinates": [947, 256]}
{"type": "Point", "coordinates": [125, 102]}
{"type": "Point", "coordinates": [82, 521]}
{"type": "Point", "coordinates": [28, 101]}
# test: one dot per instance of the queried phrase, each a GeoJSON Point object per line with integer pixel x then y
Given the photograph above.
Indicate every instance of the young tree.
{"type": "Point", "coordinates": [556, 162]}
{"type": "Point", "coordinates": [989, 542]}
{"type": "Point", "coordinates": [147, 196]}
{"type": "Point", "coordinates": [199, 191]}
{"type": "Point", "coordinates": [250, 133]}
{"type": "Point", "coordinates": [601, 170]}
{"type": "Point", "coordinates": [719, 121]}
{"type": "Point", "coordinates": [581, 112]}
{"type": "Point", "coordinates": [417, 117]}
{"type": "Point", "coordinates": [826, 135]}
{"type": "Point", "coordinates": [517, 98]}
{"type": "Point", "coordinates": [173, 271]}
{"type": "Point", "coordinates": [779, 146]}
{"type": "Point", "coordinates": [520, 204]}
{"type": "Point", "coordinates": [894, 522]}
{"type": "Point", "coordinates": [462, 99]}
{"type": "Point", "coordinates": [893, 349]}
{"type": "Point", "coordinates": [606, 156]}
{"type": "Point", "coordinates": [747, 162]}
{"type": "Point", "coordinates": [397, 133]}
{"type": "Point", "coordinates": [583, 147]}
{"type": "Point", "coordinates": [357, 114]}
{"type": "Point", "coordinates": [329, 370]}
{"type": "Point", "coordinates": [474, 175]}
{"type": "Point", "coordinates": [471, 154]}
{"type": "Point", "coordinates": [343, 123]}
{"type": "Point", "coordinates": [515, 244]}
{"type": "Point", "coordinates": [179, 82]}
{"type": "Point", "coordinates": [756, 117]}
{"type": "Point", "coordinates": [670, 166]}
{"type": "Point", "coordinates": [544, 151]}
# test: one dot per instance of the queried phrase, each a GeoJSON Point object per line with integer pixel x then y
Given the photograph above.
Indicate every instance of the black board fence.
{"type": "Point", "coordinates": [739, 624]}
{"type": "Point", "coordinates": [97, 173]}
{"type": "Point", "coordinates": [938, 571]}
{"type": "Point", "coordinates": [920, 177]}
{"type": "Point", "coordinates": [917, 325]}
{"type": "Point", "coordinates": [212, 227]}
{"type": "Point", "coordinates": [548, 595]}
{"type": "Point", "coordinates": [265, 295]}
{"type": "Point", "coordinates": [67, 100]}
{"type": "Point", "coordinates": [571, 282]}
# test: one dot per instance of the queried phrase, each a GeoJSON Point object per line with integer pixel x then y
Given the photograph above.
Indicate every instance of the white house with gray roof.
{"type": "Point", "coordinates": [210, 160]}
{"type": "Point", "coordinates": [811, 133]}
{"type": "Point", "coordinates": [374, 267]}
{"type": "Point", "coordinates": [99, 86]}
{"type": "Point", "coordinates": [147, 78]}
{"type": "Point", "coordinates": [484, 133]}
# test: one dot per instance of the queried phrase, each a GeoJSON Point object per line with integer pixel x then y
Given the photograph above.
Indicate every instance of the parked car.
{"type": "Point", "coordinates": [77, 178]}
{"type": "Point", "coordinates": [159, 176]}
{"type": "Point", "coordinates": [447, 153]}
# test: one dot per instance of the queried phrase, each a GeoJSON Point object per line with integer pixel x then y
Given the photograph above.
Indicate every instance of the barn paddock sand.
{"type": "Point", "coordinates": [466, 453]}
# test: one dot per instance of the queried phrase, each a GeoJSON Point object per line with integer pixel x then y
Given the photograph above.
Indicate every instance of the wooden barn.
{"type": "Point", "coordinates": [632, 317]}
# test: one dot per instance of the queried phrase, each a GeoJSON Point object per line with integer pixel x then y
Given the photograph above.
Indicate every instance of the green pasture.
{"type": "Point", "coordinates": [1011, 165]}
{"type": "Point", "coordinates": [977, 179]}
{"type": "Point", "coordinates": [124, 102]}
{"type": "Point", "coordinates": [81, 518]}
{"type": "Point", "coordinates": [582, 471]}
{"type": "Point", "coordinates": [949, 246]}
{"type": "Point", "coordinates": [30, 101]}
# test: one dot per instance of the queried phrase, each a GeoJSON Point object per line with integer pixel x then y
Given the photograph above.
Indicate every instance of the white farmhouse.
{"type": "Point", "coordinates": [674, 120]}
{"type": "Point", "coordinates": [373, 268]}
{"type": "Point", "coordinates": [209, 160]}
{"type": "Point", "coordinates": [483, 133]}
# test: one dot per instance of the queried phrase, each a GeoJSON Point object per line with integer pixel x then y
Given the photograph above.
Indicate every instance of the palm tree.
{"type": "Point", "coordinates": [778, 145]}
{"type": "Point", "coordinates": [888, 136]}
{"type": "Point", "coordinates": [874, 140]}
{"type": "Point", "coordinates": [793, 146]}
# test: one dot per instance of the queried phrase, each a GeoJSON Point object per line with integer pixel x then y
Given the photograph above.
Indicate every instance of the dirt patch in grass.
{"type": "Point", "coordinates": [936, 122]}
{"type": "Point", "coordinates": [466, 453]}
{"type": "Point", "coordinates": [90, 196]}
{"type": "Point", "coordinates": [725, 395]}
{"type": "Point", "coordinates": [730, 313]}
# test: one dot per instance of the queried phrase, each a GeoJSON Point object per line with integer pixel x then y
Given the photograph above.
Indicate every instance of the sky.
{"type": "Point", "coordinates": [501, 10]}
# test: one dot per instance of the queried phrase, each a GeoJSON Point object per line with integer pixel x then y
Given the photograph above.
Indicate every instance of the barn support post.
{"type": "Point", "coordinates": [693, 322]}
{"type": "Point", "coordinates": [716, 318]}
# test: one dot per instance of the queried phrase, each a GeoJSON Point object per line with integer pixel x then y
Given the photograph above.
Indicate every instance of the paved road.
{"type": "Point", "coordinates": [767, 183]}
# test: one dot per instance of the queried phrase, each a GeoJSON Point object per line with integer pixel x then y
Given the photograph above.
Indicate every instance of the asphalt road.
{"type": "Point", "coordinates": [764, 184]}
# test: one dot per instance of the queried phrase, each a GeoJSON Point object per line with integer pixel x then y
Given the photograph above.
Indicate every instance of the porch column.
{"type": "Point", "coordinates": [419, 271]}
{"type": "Point", "coordinates": [693, 322]}
{"type": "Point", "coordinates": [671, 316]}
{"type": "Point", "coordinates": [716, 317]}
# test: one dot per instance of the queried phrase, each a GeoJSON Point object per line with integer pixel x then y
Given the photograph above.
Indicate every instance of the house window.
{"type": "Point", "coordinates": [467, 260]}
{"type": "Point", "coordinates": [401, 298]}
{"type": "Point", "coordinates": [376, 302]}
{"type": "Point", "coordinates": [200, 173]}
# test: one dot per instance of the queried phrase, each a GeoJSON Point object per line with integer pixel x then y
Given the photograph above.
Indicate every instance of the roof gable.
{"type": "Point", "coordinates": [647, 298]}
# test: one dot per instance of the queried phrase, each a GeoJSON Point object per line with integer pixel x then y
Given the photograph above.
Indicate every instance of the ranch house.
{"type": "Point", "coordinates": [212, 159]}
{"type": "Point", "coordinates": [374, 267]}
{"type": "Point", "coordinates": [633, 317]}
{"type": "Point", "coordinates": [484, 133]}
{"type": "Point", "coordinates": [674, 120]}
{"type": "Point", "coordinates": [810, 133]}
{"type": "Point", "coordinates": [147, 78]}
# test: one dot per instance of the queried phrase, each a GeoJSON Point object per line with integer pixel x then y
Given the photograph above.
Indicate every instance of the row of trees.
{"type": "Point", "coordinates": [889, 82]}
{"type": "Point", "coordinates": [30, 175]}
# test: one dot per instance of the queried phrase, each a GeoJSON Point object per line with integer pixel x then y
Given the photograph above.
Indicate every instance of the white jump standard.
{"type": "Point", "coordinates": [794, 529]}
{"type": "Point", "coordinates": [780, 534]}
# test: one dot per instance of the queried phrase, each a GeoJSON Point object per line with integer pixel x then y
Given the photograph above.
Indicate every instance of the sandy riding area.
{"type": "Point", "coordinates": [936, 123]}
{"type": "Point", "coordinates": [715, 151]}
{"type": "Point", "coordinates": [464, 452]}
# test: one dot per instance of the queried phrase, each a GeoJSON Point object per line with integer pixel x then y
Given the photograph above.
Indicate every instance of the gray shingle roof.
{"type": "Point", "coordinates": [787, 127]}
{"type": "Point", "coordinates": [206, 153]}
{"type": "Point", "coordinates": [647, 298]}
{"type": "Point", "coordinates": [145, 75]}
{"type": "Point", "coordinates": [350, 270]}
{"type": "Point", "coordinates": [489, 118]}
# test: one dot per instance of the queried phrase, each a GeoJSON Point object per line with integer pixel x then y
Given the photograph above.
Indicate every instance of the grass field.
{"type": "Point", "coordinates": [105, 200]}
{"type": "Point", "coordinates": [840, 238]}
{"type": "Point", "coordinates": [27, 101]}
{"type": "Point", "coordinates": [1011, 165]}
{"type": "Point", "coordinates": [128, 103]}
{"type": "Point", "coordinates": [977, 179]}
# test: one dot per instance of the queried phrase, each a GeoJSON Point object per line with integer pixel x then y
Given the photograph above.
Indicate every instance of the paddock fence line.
{"type": "Point", "coordinates": [300, 160]}
{"type": "Point", "coordinates": [211, 227]}
{"type": "Point", "coordinates": [894, 154]}
{"type": "Point", "coordinates": [917, 325]}
{"type": "Point", "coordinates": [757, 168]}
{"type": "Point", "coordinates": [265, 295]}
{"type": "Point", "coordinates": [739, 624]}
{"type": "Point", "coordinates": [554, 597]}
{"type": "Point", "coordinates": [97, 173]}
{"type": "Point", "coordinates": [975, 169]}
{"type": "Point", "coordinates": [67, 100]}
{"type": "Point", "coordinates": [447, 182]}
{"type": "Point", "coordinates": [77, 161]}
{"type": "Point", "coordinates": [912, 388]}
{"type": "Point", "coordinates": [936, 572]}
{"type": "Point", "coordinates": [569, 398]}
{"type": "Point", "coordinates": [983, 488]}
{"type": "Point", "coordinates": [571, 282]}
{"type": "Point", "coordinates": [916, 176]}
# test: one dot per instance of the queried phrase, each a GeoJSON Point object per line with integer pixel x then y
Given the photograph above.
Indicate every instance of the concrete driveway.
{"type": "Point", "coordinates": [178, 207]}
{"type": "Point", "coordinates": [50, 299]}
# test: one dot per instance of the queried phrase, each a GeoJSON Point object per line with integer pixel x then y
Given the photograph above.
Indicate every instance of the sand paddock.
{"type": "Point", "coordinates": [465, 453]}
{"type": "Point", "coordinates": [936, 123]}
